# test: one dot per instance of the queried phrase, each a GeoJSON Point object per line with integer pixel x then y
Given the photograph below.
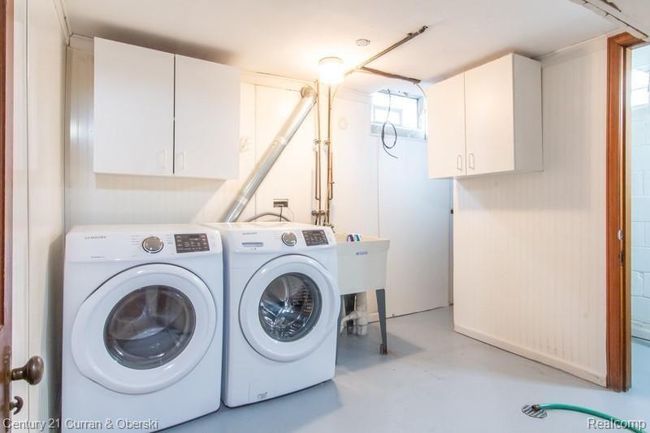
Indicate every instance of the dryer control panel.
{"type": "Point", "coordinates": [191, 242]}
{"type": "Point", "coordinates": [314, 237]}
{"type": "Point", "coordinates": [140, 243]}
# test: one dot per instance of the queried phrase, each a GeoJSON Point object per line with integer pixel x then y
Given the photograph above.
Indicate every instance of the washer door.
{"type": "Point", "coordinates": [289, 307]}
{"type": "Point", "coordinates": [144, 329]}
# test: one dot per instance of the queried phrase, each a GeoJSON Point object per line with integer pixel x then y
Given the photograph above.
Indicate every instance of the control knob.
{"type": "Point", "coordinates": [152, 244]}
{"type": "Point", "coordinates": [289, 239]}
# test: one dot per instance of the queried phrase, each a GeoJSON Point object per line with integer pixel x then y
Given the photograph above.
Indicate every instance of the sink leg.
{"type": "Point", "coordinates": [381, 308]}
{"type": "Point", "coordinates": [338, 327]}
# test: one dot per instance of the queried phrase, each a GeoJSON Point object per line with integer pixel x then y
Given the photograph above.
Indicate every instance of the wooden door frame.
{"type": "Point", "coordinates": [6, 185]}
{"type": "Point", "coordinates": [619, 320]}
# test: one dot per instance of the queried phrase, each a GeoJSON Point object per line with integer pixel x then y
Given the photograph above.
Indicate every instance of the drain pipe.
{"type": "Point", "coordinates": [281, 140]}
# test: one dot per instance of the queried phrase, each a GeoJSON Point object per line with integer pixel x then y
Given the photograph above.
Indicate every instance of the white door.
{"type": "Point", "coordinates": [133, 110]}
{"type": "Point", "coordinates": [489, 112]}
{"type": "Point", "coordinates": [207, 119]}
{"type": "Point", "coordinates": [289, 307]}
{"type": "Point", "coordinates": [144, 328]}
{"type": "Point", "coordinates": [446, 128]}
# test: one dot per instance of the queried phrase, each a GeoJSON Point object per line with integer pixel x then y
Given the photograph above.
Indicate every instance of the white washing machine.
{"type": "Point", "coordinates": [142, 327]}
{"type": "Point", "coordinates": [282, 306]}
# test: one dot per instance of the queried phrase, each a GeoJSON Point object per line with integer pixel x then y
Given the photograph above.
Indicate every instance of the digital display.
{"type": "Point", "coordinates": [191, 242]}
{"type": "Point", "coordinates": [315, 237]}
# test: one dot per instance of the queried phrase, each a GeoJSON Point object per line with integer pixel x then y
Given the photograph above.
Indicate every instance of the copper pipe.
{"type": "Point", "coordinates": [330, 159]}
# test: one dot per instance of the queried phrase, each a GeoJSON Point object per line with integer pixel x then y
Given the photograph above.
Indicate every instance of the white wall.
{"type": "Point", "coordinates": [370, 191]}
{"type": "Point", "coordinates": [394, 199]}
{"type": "Point", "coordinates": [640, 161]}
{"type": "Point", "coordinates": [529, 249]}
{"type": "Point", "coordinates": [38, 199]}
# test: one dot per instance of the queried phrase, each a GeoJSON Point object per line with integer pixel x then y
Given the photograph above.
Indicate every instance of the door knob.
{"type": "Point", "coordinates": [16, 405]}
{"type": "Point", "coordinates": [31, 372]}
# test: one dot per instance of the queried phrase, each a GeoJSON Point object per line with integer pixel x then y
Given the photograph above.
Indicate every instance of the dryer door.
{"type": "Point", "coordinates": [144, 329]}
{"type": "Point", "coordinates": [289, 307]}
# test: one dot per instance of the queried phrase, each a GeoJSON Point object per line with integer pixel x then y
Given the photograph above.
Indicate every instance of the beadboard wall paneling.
{"type": "Point", "coordinates": [529, 249]}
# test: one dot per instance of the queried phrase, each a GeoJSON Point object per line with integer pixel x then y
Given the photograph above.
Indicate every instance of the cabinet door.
{"type": "Point", "coordinates": [489, 117]}
{"type": "Point", "coordinates": [446, 128]}
{"type": "Point", "coordinates": [133, 110]}
{"type": "Point", "coordinates": [207, 119]}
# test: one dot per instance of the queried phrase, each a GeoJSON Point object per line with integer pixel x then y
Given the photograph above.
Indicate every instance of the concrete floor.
{"type": "Point", "coordinates": [433, 380]}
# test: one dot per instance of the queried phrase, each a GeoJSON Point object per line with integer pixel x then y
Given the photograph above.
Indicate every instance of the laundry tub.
{"type": "Point", "coordinates": [362, 267]}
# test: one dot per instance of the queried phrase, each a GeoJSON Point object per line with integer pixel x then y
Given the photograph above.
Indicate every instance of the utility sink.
{"type": "Point", "coordinates": [361, 264]}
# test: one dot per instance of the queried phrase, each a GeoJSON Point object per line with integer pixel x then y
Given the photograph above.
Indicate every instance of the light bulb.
{"type": "Point", "coordinates": [331, 70]}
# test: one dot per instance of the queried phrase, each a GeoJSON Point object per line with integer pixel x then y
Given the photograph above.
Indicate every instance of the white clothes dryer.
{"type": "Point", "coordinates": [142, 327]}
{"type": "Point", "coordinates": [282, 304]}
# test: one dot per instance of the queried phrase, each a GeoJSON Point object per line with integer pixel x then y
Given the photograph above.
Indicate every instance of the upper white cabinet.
{"type": "Point", "coordinates": [446, 123]}
{"type": "Point", "coordinates": [133, 110]}
{"type": "Point", "coordinates": [161, 114]}
{"type": "Point", "coordinates": [502, 119]}
{"type": "Point", "coordinates": [207, 119]}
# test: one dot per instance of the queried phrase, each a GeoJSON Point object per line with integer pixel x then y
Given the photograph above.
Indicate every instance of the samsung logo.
{"type": "Point", "coordinates": [95, 237]}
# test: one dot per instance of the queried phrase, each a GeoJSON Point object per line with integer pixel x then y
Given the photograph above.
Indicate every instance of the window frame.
{"type": "Point", "coordinates": [418, 133]}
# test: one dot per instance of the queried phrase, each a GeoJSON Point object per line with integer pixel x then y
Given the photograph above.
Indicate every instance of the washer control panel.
{"type": "Point", "coordinates": [289, 239]}
{"type": "Point", "coordinates": [191, 242]}
{"type": "Point", "coordinates": [315, 237]}
{"type": "Point", "coordinates": [153, 244]}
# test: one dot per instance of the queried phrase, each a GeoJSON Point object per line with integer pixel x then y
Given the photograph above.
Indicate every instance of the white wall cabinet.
{"type": "Point", "coordinates": [133, 110]}
{"type": "Point", "coordinates": [206, 128]}
{"type": "Point", "coordinates": [160, 114]}
{"type": "Point", "coordinates": [446, 123]}
{"type": "Point", "coordinates": [498, 129]}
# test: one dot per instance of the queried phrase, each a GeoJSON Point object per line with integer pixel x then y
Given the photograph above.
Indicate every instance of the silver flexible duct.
{"type": "Point", "coordinates": [281, 140]}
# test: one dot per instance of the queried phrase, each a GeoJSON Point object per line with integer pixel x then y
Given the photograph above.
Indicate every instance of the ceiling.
{"type": "Point", "coordinates": [288, 37]}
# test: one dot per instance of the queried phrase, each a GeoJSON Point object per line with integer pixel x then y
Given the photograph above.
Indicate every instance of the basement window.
{"type": "Point", "coordinates": [404, 111]}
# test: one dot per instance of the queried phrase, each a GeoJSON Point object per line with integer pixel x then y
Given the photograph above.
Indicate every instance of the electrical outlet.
{"type": "Point", "coordinates": [280, 202]}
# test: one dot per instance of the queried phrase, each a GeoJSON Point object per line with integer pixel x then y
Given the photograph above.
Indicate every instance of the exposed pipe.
{"type": "Point", "coordinates": [330, 158]}
{"type": "Point", "coordinates": [359, 316]}
{"type": "Point", "coordinates": [389, 75]}
{"type": "Point", "coordinates": [402, 41]}
{"type": "Point", "coordinates": [281, 140]}
{"type": "Point", "coordinates": [317, 214]}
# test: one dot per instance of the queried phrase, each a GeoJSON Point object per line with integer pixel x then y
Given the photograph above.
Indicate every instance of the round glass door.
{"type": "Point", "coordinates": [289, 307]}
{"type": "Point", "coordinates": [144, 329]}
{"type": "Point", "coordinates": [149, 327]}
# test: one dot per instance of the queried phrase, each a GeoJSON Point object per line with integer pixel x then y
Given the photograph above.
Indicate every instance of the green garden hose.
{"type": "Point", "coordinates": [540, 411]}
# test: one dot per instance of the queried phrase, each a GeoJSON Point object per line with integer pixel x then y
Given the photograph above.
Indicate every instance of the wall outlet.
{"type": "Point", "coordinates": [280, 202]}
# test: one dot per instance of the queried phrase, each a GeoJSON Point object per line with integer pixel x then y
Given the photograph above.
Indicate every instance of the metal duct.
{"type": "Point", "coordinates": [281, 140]}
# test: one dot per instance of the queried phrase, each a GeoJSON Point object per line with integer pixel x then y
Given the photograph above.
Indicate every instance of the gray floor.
{"type": "Point", "coordinates": [433, 380]}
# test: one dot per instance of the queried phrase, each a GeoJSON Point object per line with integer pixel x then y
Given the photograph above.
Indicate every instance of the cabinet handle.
{"type": "Point", "coordinates": [459, 162]}
{"type": "Point", "coordinates": [162, 159]}
{"type": "Point", "coordinates": [471, 161]}
{"type": "Point", "coordinates": [180, 161]}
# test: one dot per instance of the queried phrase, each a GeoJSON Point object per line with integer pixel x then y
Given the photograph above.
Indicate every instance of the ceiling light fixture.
{"type": "Point", "coordinates": [331, 70]}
